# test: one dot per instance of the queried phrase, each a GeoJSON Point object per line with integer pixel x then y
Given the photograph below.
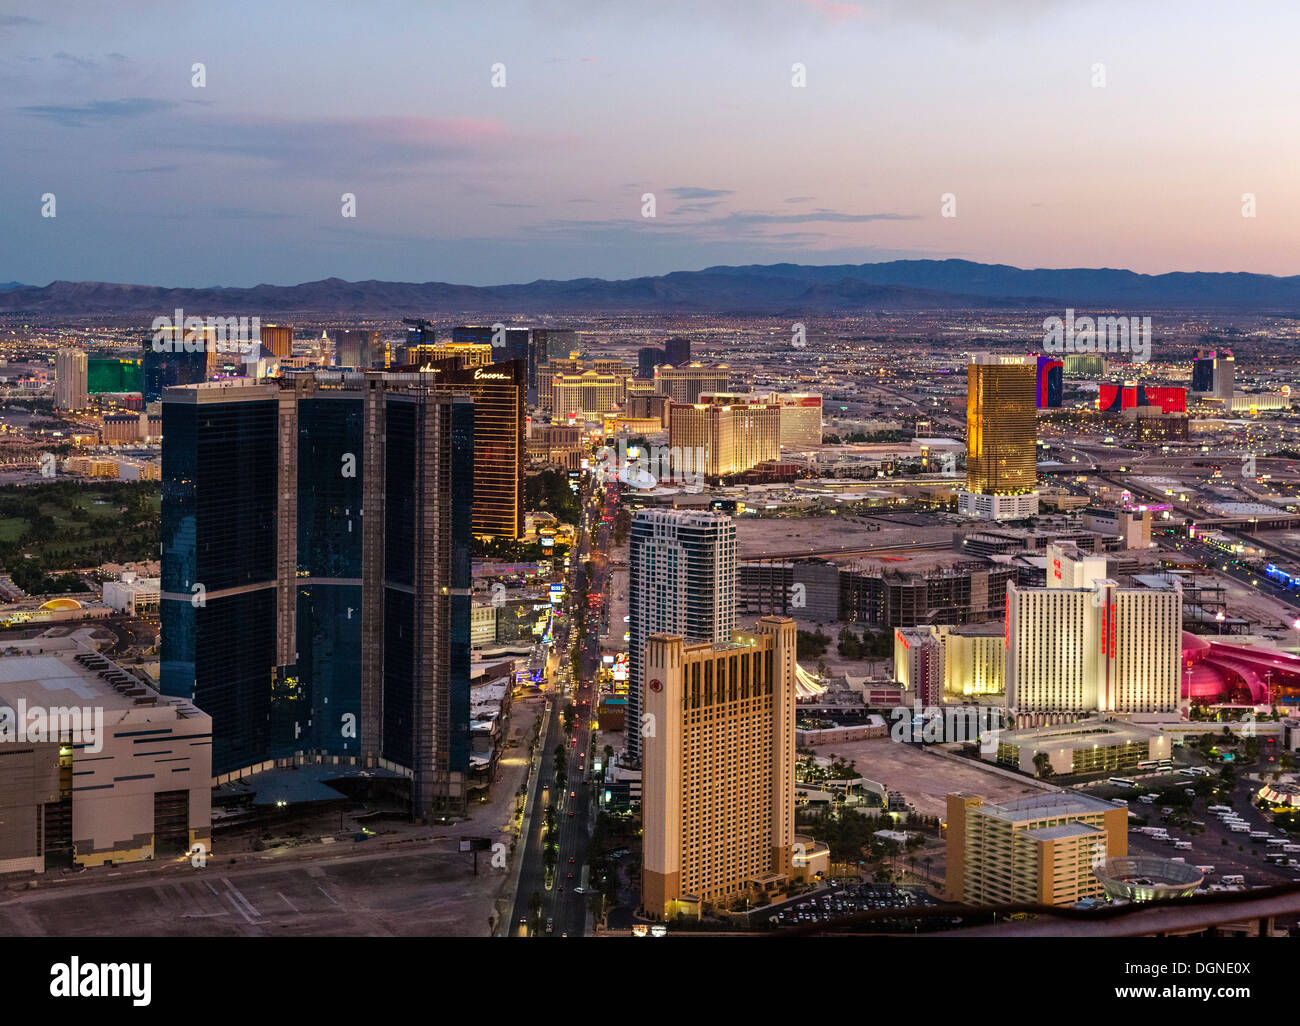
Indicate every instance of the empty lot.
{"type": "Point", "coordinates": [424, 888]}
{"type": "Point", "coordinates": [925, 779]}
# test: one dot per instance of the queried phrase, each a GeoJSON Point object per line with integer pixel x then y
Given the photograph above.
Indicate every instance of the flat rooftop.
{"type": "Point", "coordinates": [299, 784]}
{"type": "Point", "coordinates": [759, 538]}
{"type": "Point", "coordinates": [1063, 830]}
{"type": "Point", "coordinates": [1084, 734]}
{"type": "Point", "coordinates": [1043, 806]}
{"type": "Point", "coordinates": [86, 679]}
{"type": "Point", "coordinates": [59, 679]}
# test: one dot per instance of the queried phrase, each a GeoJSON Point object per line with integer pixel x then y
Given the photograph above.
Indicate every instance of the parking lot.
{"type": "Point", "coordinates": [1212, 841]}
{"type": "Point", "coordinates": [423, 888]}
{"type": "Point", "coordinates": [828, 906]}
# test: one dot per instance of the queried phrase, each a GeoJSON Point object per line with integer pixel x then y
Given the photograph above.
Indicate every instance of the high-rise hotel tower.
{"type": "Point", "coordinates": [70, 381]}
{"type": "Point", "coordinates": [1086, 645]}
{"type": "Point", "coordinates": [1001, 437]}
{"type": "Point", "coordinates": [718, 771]}
{"type": "Point", "coordinates": [316, 572]}
{"type": "Point", "coordinates": [682, 581]}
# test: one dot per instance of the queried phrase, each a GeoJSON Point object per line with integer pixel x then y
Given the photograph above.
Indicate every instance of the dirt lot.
{"type": "Point", "coordinates": [925, 779]}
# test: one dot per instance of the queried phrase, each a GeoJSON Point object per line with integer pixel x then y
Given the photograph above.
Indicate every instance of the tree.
{"type": "Point", "coordinates": [1043, 764]}
{"type": "Point", "coordinates": [811, 645]}
{"type": "Point", "coordinates": [549, 491]}
{"type": "Point", "coordinates": [622, 525]}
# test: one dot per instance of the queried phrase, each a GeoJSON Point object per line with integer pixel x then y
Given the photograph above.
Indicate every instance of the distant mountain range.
{"type": "Point", "coordinates": [778, 289]}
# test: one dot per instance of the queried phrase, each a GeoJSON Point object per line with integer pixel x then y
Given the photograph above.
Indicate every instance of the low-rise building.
{"type": "Point", "coordinates": [96, 767]}
{"type": "Point", "coordinates": [1088, 746]}
{"type": "Point", "coordinates": [133, 595]}
{"type": "Point", "coordinates": [1037, 850]}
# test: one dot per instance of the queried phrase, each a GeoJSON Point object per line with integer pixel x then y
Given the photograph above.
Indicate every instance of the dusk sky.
{"type": "Point", "coordinates": [239, 182]}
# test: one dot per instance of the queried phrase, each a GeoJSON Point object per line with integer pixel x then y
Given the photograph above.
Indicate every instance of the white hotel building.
{"type": "Point", "coordinates": [1085, 645]}
{"type": "Point", "coordinates": [681, 581]}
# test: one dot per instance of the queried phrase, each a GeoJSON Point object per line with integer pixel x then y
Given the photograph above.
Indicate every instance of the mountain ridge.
{"type": "Point", "coordinates": [774, 289]}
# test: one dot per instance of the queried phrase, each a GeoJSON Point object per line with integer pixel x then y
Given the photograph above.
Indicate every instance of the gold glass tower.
{"type": "Point", "coordinates": [1001, 426]}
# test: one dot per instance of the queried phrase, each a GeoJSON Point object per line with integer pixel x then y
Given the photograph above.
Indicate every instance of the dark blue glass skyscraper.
{"type": "Point", "coordinates": [316, 571]}
{"type": "Point", "coordinates": [218, 585]}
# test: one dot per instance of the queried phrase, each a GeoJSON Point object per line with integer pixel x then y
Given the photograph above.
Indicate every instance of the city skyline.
{"type": "Point", "coordinates": [712, 468]}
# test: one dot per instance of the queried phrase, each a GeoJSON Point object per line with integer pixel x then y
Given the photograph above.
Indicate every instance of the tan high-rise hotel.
{"type": "Point", "coordinates": [718, 771]}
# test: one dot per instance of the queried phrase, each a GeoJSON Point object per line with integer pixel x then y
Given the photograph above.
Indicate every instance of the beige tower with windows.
{"type": "Point", "coordinates": [718, 770]}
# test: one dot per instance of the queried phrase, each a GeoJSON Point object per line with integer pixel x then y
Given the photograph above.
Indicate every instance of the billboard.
{"type": "Point", "coordinates": [111, 374]}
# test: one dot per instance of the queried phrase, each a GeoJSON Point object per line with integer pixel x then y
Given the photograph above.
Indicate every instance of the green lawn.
{"type": "Point", "coordinates": [96, 511]}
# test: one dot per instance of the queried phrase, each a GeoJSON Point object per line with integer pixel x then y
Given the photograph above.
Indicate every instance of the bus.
{"type": "Point", "coordinates": [1155, 764]}
{"type": "Point", "coordinates": [1122, 782]}
{"type": "Point", "coordinates": [1148, 765]}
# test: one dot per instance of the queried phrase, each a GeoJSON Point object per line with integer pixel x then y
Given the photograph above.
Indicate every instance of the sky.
{"type": "Point", "coordinates": [1080, 133]}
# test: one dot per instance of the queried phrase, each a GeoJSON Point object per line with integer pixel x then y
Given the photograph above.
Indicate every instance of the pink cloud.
{"type": "Point", "coordinates": [833, 11]}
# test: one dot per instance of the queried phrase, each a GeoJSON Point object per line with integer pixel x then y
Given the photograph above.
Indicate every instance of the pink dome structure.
{"type": "Point", "coordinates": [1217, 672]}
